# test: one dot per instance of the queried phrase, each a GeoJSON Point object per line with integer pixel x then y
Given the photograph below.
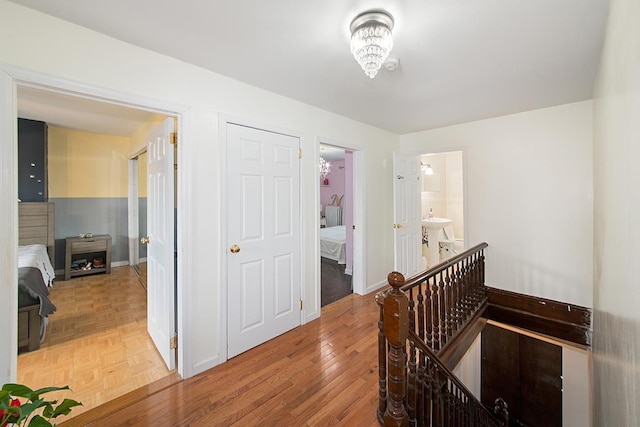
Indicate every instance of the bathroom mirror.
{"type": "Point", "coordinates": [431, 182]}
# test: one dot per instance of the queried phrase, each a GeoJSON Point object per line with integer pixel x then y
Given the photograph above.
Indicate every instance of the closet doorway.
{"type": "Point", "coordinates": [336, 223]}
{"type": "Point", "coordinates": [139, 259]}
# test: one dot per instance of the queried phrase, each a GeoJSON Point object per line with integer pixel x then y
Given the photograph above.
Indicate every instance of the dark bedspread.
{"type": "Point", "coordinates": [32, 290]}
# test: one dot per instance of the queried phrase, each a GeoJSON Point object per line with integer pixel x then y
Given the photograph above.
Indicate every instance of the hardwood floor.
{"type": "Point", "coordinates": [323, 373]}
{"type": "Point", "coordinates": [334, 283]}
{"type": "Point", "coordinates": [96, 342]}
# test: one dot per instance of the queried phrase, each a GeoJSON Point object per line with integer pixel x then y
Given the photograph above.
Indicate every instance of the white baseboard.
{"type": "Point", "coordinates": [376, 286]}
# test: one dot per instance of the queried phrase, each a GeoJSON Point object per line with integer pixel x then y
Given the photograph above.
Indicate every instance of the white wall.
{"type": "Point", "coordinates": [616, 320]}
{"type": "Point", "coordinates": [39, 43]}
{"type": "Point", "coordinates": [528, 189]}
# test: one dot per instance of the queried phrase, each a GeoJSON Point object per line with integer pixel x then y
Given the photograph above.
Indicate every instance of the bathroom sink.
{"type": "Point", "coordinates": [436, 223]}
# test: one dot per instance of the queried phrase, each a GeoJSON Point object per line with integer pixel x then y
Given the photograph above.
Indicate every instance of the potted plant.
{"type": "Point", "coordinates": [18, 406]}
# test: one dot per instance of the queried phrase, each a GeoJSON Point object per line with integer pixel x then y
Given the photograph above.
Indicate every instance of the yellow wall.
{"type": "Point", "coordinates": [85, 164]}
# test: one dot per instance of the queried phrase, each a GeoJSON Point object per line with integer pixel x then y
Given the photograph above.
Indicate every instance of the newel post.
{"type": "Point", "coordinates": [396, 329]}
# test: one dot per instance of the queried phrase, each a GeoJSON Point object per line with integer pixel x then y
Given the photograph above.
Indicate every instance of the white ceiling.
{"type": "Point", "coordinates": [460, 60]}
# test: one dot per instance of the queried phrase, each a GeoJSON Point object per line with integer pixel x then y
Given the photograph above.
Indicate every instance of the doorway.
{"type": "Point", "coordinates": [442, 196]}
{"type": "Point", "coordinates": [336, 223]}
{"type": "Point", "coordinates": [121, 278]}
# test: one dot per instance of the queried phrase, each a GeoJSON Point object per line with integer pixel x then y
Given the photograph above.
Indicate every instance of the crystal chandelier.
{"type": "Point", "coordinates": [371, 39]}
{"type": "Point", "coordinates": [325, 168]}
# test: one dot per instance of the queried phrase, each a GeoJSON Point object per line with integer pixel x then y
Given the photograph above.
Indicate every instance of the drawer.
{"type": "Point", "coordinates": [89, 246]}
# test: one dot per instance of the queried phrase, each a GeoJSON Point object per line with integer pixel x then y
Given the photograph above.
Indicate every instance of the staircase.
{"type": "Point", "coordinates": [426, 325]}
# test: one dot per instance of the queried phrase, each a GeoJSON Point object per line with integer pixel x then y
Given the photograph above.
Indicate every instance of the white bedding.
{"type": "Point", "coordinates": [36, 256]}
{"type": "Point", "coordinates": [333, 243]}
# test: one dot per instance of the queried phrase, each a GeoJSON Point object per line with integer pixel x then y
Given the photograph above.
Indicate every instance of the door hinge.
{"type": "Point", "coordinates": [300, 305]}
{"type": "Point", "coordinates": [299, 153]}
{"type": "Point", "coordinates": [173, 138]}
{"type": "Point", "coordinates": [173, 342]}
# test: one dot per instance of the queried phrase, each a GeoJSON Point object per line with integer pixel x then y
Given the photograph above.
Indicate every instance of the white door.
{"type": "Point", "coordinates": [407, 214]}
{"type": "Point", "coordinates": [160, 248]}
{"type": "Point", "coordinates": [263, 251]}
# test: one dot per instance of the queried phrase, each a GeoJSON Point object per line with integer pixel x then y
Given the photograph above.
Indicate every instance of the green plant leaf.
{"type": "Point", "coordinates": [38, 421]}
{"type": "Point", "coordinates": [19, 390]}
{"type": "Point", "coordinates": [29, 407]}
{"type": "Point", "coordinates": [65, 407]}
{"type": "Point", "coordinates": [50, 389]}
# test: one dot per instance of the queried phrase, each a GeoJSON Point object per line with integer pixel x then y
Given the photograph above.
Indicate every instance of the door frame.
{"type": "Point", "coordinates": [359, 212]}
{"type": "Point", "coordinates": [223, 121]}
{"type": "Point", "coordinates": [8, 114]}
{"type": "Point", "coordinates": [133, 212]}
{"type": "Point", "coordinates": [465, 186]}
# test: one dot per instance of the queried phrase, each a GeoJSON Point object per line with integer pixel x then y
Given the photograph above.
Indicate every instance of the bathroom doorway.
{"type": "Point", "coordinates": [442, 196]}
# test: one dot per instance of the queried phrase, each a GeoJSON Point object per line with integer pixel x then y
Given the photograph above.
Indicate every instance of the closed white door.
{"type": "Point", "coordinates": [160, 248]}
{"type": "Point", "coordinates": [264, 237]}
{"type": "Point", "coordinates": [407, 214]}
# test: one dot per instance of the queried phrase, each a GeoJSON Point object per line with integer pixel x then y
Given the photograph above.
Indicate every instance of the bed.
{"type": "Point", "coordinates": [35, 272]}
{"type": "Point", "coordinates": [333, 243]}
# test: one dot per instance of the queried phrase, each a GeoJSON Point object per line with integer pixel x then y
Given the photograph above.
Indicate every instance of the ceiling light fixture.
{"type": "Point", "coordinates": [325, 167]}
{"type": "Point", "coordinates": [426, 169]}
{"type": "Point", "coordinates": [371, 39]}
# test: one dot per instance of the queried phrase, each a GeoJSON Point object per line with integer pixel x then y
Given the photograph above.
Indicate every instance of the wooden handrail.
{"type": "Point", "coordinates": [413, 280]}
{"type": "Point", "coordinates": [420, 318]}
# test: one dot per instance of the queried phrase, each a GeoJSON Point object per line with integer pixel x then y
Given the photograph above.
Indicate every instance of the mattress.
{"type": "Point", "coordinates": [333, 243]}
{"type": "Point", "coordinates": [36, 256]}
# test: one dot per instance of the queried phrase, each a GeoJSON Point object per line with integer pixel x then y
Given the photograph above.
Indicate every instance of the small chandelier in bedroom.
{"type": "Point", "coordinates": [325, 168]}
{"type": "Point", "coordinates": [371, 39]}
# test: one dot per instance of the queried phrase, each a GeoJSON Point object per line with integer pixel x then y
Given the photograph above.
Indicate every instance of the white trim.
{"type": "Point", "coordinates": [223, 121]}
{"type": "Point", "coordinates": [358, 277]}
{"type": "Point", "coordinates": [133, 220]}
{"type": "Point", "coordinates": [37, 80]}
{"type": "Point", "coordinates": [8, 228]}
{"type": "Point", "coordinates": [30, 78]}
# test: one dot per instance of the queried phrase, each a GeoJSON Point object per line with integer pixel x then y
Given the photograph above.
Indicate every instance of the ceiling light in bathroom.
{"type": "Point", "coordinates": [426, 169]}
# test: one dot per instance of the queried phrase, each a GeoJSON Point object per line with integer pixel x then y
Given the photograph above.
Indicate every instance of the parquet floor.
{"type": "Point", "coordinates": [320, 374]}
{"type": "Point", "coordinates": [96, 342]}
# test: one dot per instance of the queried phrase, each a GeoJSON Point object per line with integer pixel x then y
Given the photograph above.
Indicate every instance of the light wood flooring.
{"type": "Point", "coordinates": [320, 374]}
{"type": "Point", "coordinates": [96, 341]}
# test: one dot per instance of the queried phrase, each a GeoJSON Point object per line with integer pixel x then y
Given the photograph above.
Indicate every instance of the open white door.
{"type": "Point", "coordinates": [264, 250]}
{"type": "Point", "coordinates": [407, 214]}
{"type": "Point", "coordinates": [160, 246]}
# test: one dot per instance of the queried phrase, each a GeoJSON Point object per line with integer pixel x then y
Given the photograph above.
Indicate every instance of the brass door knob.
{"type": "Point", "coordinates": [398, 226]}
{"type": "Point", "coordinates": [145, 240]}
{"type": "Point", "coordinates": [235, 249]}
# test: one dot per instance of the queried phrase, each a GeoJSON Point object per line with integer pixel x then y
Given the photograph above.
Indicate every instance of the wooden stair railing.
{"type": "Point", "coordinates": [422, 318]}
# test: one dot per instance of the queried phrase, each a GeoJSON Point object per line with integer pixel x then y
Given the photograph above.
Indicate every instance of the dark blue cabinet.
{"type": "Point", "coordinates": [32, 161]}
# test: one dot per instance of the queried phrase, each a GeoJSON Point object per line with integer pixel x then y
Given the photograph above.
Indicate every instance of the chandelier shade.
{"type": "Point", "coordinates": [325, 168]}
{"type": "Point", "coordinates": [371, 40]}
